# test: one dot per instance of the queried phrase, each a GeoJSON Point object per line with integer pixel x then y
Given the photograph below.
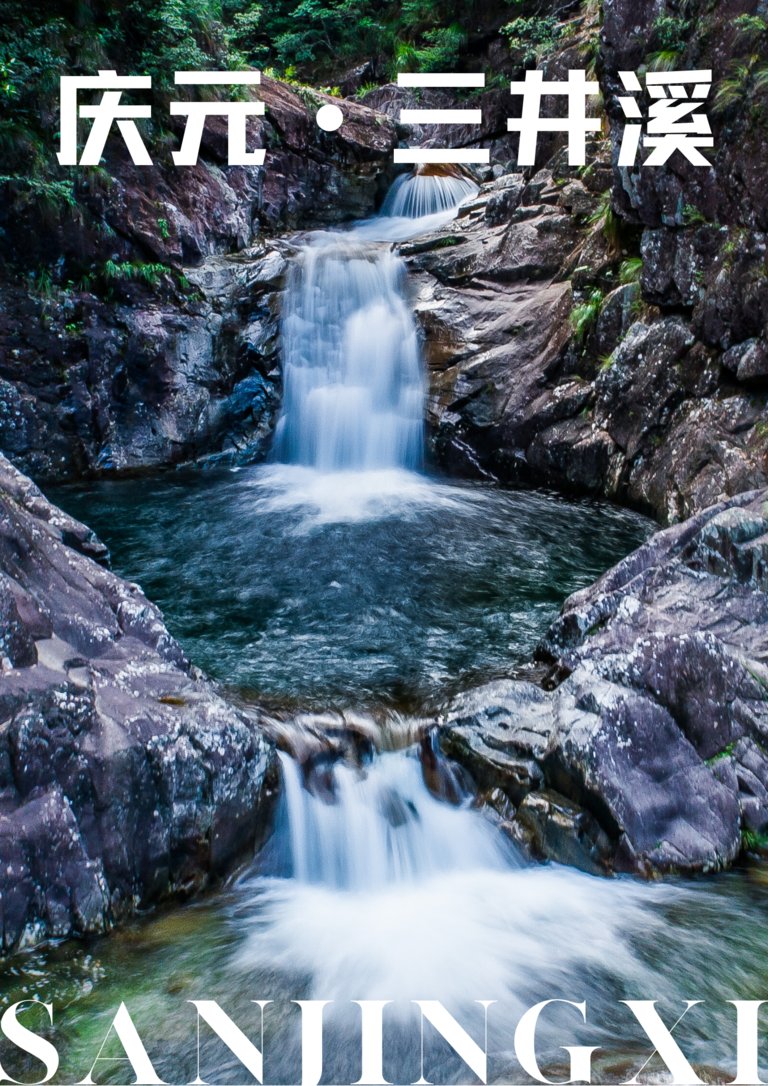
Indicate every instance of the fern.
{"type": "Point", "coordinates": [631, 270]}
{"type": "Point", "coordinates": [584, 316]}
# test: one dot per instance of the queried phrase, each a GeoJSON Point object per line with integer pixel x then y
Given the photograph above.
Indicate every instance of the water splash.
{"type": "Point", "coordinates": [365, 829]}
{"type": "Point", "coordinates": [416, 196]}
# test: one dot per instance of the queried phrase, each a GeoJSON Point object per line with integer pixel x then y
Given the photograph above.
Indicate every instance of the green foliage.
{"type": "Point", "coordinates": [671, 32]}
{"type": "Point", "coordinates": [664, 60]}
{"type": "Point", "coordinates": [631, 270]}
{"type": "Point", "coordinates": [750, 28]}
{"type": "Point", "coordinates": [751, 841]}
{"type": "Point", "coordinates": [606, 219]}
{"type": "Point", "coordinates": [151, 274]}
{"type": "Point", "coordinates": [163, 227]}
{"type": "Point", "coordinates": [584, 316]}
{"type": "Point", "coordinates": [56, 194]}
{"type": "Point", "coordinates": [365, 89]}
{"type": "Point", "coordinates": [42, 284]}
{"type": "Point", "coordinates": [440, 52]}
{"type": "Point", "coordinates": [669, 35]}
{"type": "Point", "coordinates": [7, 86]}
{"type": "Point", "coordinates": [532, 37]}
{"type": "Point", "coordinates": [746, 81]}
{"type": "Point", "coordinates": [692, 216]}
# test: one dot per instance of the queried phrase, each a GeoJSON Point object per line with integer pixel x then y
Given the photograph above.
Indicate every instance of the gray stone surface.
{"type": "Point", "coordinates": [125, 779]}
{"type": "Point", "coordinates": [657, 725]}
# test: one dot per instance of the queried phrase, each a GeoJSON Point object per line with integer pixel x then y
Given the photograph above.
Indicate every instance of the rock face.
{"type": "Point", "coordinates": [124, 778]}
{"type": "Point", "coordinates": [152, 341]}
{"type": "Point", "coordinates": [554, 359]}
{"type": "Point", "coordinates": [651, 753]}
{"type": "Point", "coordinates": [154, 383]}
{"type": "Point", "coordinates": [640, 405]}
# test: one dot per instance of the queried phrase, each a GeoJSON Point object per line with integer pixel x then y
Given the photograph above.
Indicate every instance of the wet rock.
{"type": "Point", "coordinates": [658, 723]}
{"type": "Point", "coordinates": [550, 827]}
{"type": "Point", "coordinates": [150, 363]}
{"type": "Point", "coordinates": [125, 779]}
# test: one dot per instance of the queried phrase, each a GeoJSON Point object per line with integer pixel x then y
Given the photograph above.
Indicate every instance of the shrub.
{"type": "Point", "coordinates": [532, 36]}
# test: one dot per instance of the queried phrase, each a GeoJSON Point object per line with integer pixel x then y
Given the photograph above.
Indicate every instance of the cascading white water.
{"type": "Point", "coordinates": [416, 196]}
{"type": "Point", "coordinates": [354, 387]}
{"type": "Point", "coordinates": [353, 382]}
{"type": "Point", "coordinates": [380, 826]}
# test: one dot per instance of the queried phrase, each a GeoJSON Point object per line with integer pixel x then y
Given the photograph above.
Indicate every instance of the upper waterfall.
{"type": "Point", "coordinates": [418, 195]}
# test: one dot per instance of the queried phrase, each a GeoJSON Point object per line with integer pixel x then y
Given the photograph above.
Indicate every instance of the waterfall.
{"type": "Point", "coordinates": [372, 827]}
{"type": "Point", "coordinates": [419, 195]}
{"type": "Point", "coordinates": [353, 382]}
{"type": "Point", "coordinates": [354, 387]}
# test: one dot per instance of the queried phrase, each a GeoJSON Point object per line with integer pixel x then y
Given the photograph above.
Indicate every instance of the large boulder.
{"type": "Point", "coordinates": [656, 723]}
{"type": "Point", "coordinates": [125, 779]}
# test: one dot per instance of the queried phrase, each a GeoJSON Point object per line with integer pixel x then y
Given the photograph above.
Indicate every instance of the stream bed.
{"type": "Point", "coordinates": [325, 592]}
{"type": "Point", "coordinates": [340, 576]}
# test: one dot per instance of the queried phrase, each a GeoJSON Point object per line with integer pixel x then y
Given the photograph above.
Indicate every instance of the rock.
{"type": "Point", "coordinates": [115, 372]}
{"type": "Point", "coordinates": [748, 360]}
{"type": "Point", "coordinates": [125, 779]}
{"type": "Point", "coordinates": [551, 827]}
{"type": "Point", "coordinates": [657, 726]}
{"type": "Point", "coordinates": [500, 733]}
{"type": "Point", "coordinates": [153, 383]}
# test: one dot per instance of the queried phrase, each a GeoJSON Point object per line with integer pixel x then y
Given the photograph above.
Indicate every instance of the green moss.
{"type": "Point", "coordinates": [721, 755]}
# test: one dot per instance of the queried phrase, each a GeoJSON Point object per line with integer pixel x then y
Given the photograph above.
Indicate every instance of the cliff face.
{"type": "Point", "coordinates": [164, 349]}
{"type": "Point", "coordinates": [555, 354]}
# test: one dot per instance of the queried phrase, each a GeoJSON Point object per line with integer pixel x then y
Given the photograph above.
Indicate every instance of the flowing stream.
{"type": "Point", "coordinates": [339, 576]}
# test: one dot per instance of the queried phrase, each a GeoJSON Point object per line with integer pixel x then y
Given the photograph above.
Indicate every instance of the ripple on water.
{"type": "Point", "coordinates": [383, 587]}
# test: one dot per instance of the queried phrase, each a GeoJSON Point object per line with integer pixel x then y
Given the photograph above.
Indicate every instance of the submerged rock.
{"type": "Point", "coordinates": [657, 729]}
{"type": "Point", "coordinates": [125, 779]}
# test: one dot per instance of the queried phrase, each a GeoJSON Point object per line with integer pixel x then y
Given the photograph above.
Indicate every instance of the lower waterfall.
{"type": "Point", "coordinates": [378, 826]}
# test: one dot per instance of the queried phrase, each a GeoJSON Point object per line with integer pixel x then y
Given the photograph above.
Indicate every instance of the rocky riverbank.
{"type": "Point", "coordinates": [647, 748]}
{"type": "Point", "coordinates": [125, 779]}
{"type": "Point", "coordinates": [152, 341]}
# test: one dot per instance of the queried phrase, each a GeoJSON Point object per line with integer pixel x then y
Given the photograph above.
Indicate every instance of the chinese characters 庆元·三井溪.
{"type": "Point", "coordinates": [674, 120]}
